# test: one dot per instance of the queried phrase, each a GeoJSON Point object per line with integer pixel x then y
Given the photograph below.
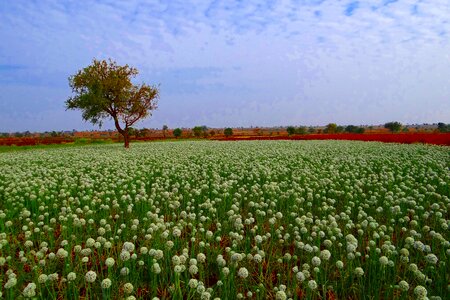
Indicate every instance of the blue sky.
{"type": "Point", "coordinates": [233, 63]}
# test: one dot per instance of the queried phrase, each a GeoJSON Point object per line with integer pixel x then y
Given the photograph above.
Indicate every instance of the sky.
{"type": "Point", "coordinates": [232, 63]}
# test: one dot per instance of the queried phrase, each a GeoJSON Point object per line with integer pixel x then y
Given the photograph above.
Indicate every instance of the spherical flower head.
{"type": "Point", "coordinates": [125, 255]}
{"type": "Point", "coordinates": [359, 272]}
{"type": "Point", "coordinates": [225, 271]}
{"type": "Point", "coordinates": [420, 292]}
{"type": "Point", "coordinates": [127, 246]}
{"type": "Point", "coordinates": [124, 271]}
{"type": "Point", "coordinates": [243, 273]}
{"type": "Point", "coordinates": [128, 288]}
{"type": "Point", "coordinates": [71, 276]}
{"type": "Point", "coordinates": [325, 254]}
{"type": "Point", "coordinates": [106, 283]}
{"type": "Point", "coordinates": [90, 242]}
{"type": "Point", "coordinates": [53, 277]}
{"type": "Point", "coordinates": [315, 261]}
{"type": "Point", "coordinates": [156, 268]}
{"type": "Point", "coordinates": [42, 278]}
{"type": "Point", "coordinates": [384, 260]}
{"type": "Point", "coordinates": [312, 284]}
{"type": "Point", "coordinates": [205, 296]}
{"type": "Point", "coordinates": [61, 253]}
{"type": "Point", "coordinates": [178, 269]}
{"type": "Point", "coordinates": [12, 281]}
{"type": "Point", "coordinates": [90, 276]}
{"type": "Point", "coordinates": [193, 283]}
{"type": "Point", "coordinates": [201, 258]}
{"type": "Point", "coordinates": [280, 295]}
{"type": "Point", "coordinates": [193, 269]}
{"type": "Point", "coordinates": [300, 276]}
{"type": "Point", "coordinates": [431, 259]}
{"type": "Point", "coordinates": [30, 290]}
{"type": "Point", "coordinates": [109, 262]}
{"type": "Point", "coordinates": [143, 250]}
{"type": "Point", "coordinates": [176, 260]}
{"type": "Point", "coordinates": [403, 285]}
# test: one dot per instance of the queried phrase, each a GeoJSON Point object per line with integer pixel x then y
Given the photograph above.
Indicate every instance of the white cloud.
{"type": "Point", "coordinates": [282, 62]}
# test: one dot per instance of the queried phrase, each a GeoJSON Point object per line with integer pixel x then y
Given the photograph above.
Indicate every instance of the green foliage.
{"type": "Point", "coordinates": [228, 131]}
{"type": "Point", "coordinates": [301, 130]}
{"type": "Point", "coordinates": [290, 130]}
{"type": "Point", "coordinates": [442, 127]}
{"type": "Point", "coordinates": [354, 129]}
{"type": "Point", "coordinates": [393, 126]}
{"type": "Point", "coordinates": [198, 131]}
{"type": "Point", "coordinates": [330, 128]}
{"type": "Point", "coordinates": [177, 132]}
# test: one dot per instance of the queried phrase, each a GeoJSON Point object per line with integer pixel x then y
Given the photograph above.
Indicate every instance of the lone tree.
{"type": "Point", "coordinates": [104, 90]}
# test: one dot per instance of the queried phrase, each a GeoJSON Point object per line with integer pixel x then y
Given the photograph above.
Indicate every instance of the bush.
{"type": "Point", "coordinates": [177, 132]}
{"type": "Point", "coordinates": [228, 131]}
{"type": "Point", "coordinates": [393, 126]}
{"type": "Point", "coordinates": [301, 130]}
{"type": "Point", "coordinates": [290, 130]}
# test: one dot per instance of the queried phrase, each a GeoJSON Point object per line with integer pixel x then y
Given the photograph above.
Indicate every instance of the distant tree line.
{"type": "Point", "coordinates": [329, 128]}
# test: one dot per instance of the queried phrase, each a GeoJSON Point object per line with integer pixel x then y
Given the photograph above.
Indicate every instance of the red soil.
{"type": "Point", "coordinates": [404, 138]}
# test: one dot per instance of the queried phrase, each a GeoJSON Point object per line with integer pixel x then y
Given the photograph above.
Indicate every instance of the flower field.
{"type": "Point", "coordinates": [226, 220]}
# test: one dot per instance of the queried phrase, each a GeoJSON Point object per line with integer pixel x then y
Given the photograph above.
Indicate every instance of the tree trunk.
{"type": "Point", "coordinates": [124, 132]}
{"type": "Point", "coordinates": [126, 139]}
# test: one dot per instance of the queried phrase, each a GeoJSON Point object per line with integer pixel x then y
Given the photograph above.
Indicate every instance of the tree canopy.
{"type": "Point", "coordinates": [104, 90]}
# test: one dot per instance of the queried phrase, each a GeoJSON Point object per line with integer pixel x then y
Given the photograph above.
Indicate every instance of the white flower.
{"type": "Point", "coordinates": [106, 283]}
{"type": "Point", "coordinates": [12, 281]}
{"type": "Point", "coordinates": [71, 276]}
{"type": "Point", "coordinates": [30, 290]}
{"type": "Point", "coordinates": [312, 284]}
{"type": "Point", "coordinates": [127, 246]}
{"type": "Point", "coordinates": [156, 268]}
{"type": "Point", "coordinates": [315, 261]}
{"type": "Point", "coordinates": [403, 285]}
{"type": "Point", "coordinates": [420, 292]}
{"type": "Point", "coordinates": [384, 260]}
{"type": "Point", "coordinates": [280, 295]}
{"type": "Point", "coordinates": [90, 242]}
{"type": "Point", "coordinates": [325, 254]}
{"type": "Point", "coordinates": [201, 258]}
{"type": "Point", "coordinates": [339, 264]}
{"type": "Point", "coordinates": [90, 276]}
{"type": "Point", "coordinates": [124, 271]}
{"type": "Point", "coordinates": [125, 255]}
{"type": "Point", "coordinates": [431, 259]}
{"type": "Point", "coordinates": [128, 288]}
{"type": "Point", "coordinates": [42, 278]}
{"type": "Point", "coordinates": [300, 276]}
{"type": "Point", "coordinates": [110, 262]}
{"type": "Point", "coordinates": [53, 277]}
{"type": "Point", "coordinates": [193, 269]}
{"type": "Point", "coordinates": [193, 283]}
{"type": "Point", "coordinates": [359, 272]}
{"type": "Point", "coordinates": [243, 273]}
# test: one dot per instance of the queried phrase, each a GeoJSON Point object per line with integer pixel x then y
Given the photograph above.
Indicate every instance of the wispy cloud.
{"type": "Point", "coordinates": [231, 58]}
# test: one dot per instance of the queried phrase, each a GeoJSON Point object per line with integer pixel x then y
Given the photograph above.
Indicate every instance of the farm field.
{"type": "Point", "coordinates": [226, 220]}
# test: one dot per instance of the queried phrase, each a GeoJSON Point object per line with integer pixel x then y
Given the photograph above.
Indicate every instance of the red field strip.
{"type": "Point", "coordinates": [404, 138]}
